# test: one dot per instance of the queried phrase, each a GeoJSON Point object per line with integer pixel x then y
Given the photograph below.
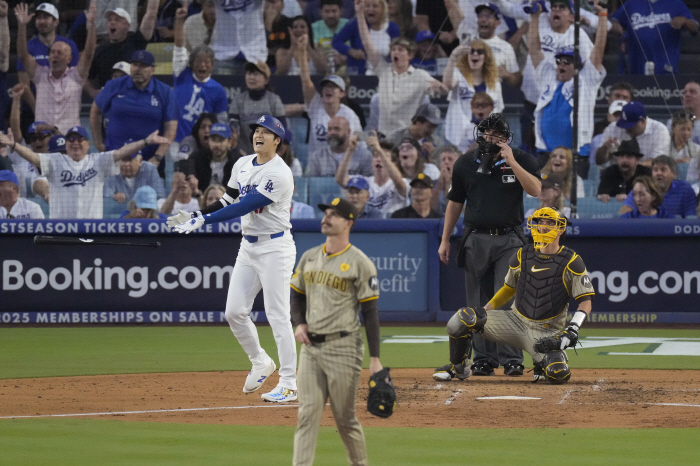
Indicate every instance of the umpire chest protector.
{"type": "Point", "coordinates": [541, 292]}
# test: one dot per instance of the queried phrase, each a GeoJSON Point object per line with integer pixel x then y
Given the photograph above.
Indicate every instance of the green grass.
{"type": "Point", "coordinates": [58, 442]}
{"type": "Point", "coordinates": [65, 351]}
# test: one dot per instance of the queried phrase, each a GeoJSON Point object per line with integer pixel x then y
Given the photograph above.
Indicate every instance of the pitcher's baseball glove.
{"type": "Point", "coordinates": [567, 338]}
{"type": "Point", "coordinates": [382, 395]}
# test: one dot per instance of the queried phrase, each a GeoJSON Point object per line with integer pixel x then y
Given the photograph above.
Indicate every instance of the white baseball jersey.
{"type": "Point", "coordinates": [23, 208]}
{"type": "Point", "coordinates": [319, 122]}
{"type": "Point", "coordinates": [459, 110]}
{"type": "Point", "coordinates": [192, 206]}
{"type": "Point", "coordinates": [24, 171]}
{"type": "Point", "coordinates": [551, 42]}
{"type": "Point", "coordinates": [240, 29]}
{"type": "Point", "coordinates": [386, 198]}
{"type": "Point", "coordinates": [654, 141]}
{"type": "Point", "coordinates": [273, 180]}
{"type": "Point", "coordinates": [76, 187]}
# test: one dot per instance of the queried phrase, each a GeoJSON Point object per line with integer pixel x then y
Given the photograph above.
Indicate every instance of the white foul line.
{"type": "Point", "coordinates": [566, 395]}
{"type": "Point", "coordinates": [686, 405]}
{"type": "Point", "coordinates": [452, 398]}
{"type": "Point", "coordinates": [178, 410]}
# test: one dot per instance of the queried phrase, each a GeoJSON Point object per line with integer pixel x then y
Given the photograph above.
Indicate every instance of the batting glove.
{"type": "Point", "coordinates": [178, 219]}
{"type": "Point", "coordinates": [190, 225]}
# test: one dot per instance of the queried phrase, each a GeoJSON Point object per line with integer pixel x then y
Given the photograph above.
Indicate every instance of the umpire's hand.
{"type": "Point", "coordinates": [301, 334]}
{"type": "Point", "coordinates": [444, 251]}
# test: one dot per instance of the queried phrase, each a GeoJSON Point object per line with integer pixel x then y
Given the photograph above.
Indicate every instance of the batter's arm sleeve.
{"type": "Point", "coordinates": [577, 281]}
{"type": "Point", "coordinates": [228, 198]}
{"type": "Point", "coordinates": [370, 312]}
{"type": "Point", "coordinates": [298, 308]}
{"type": "Point", "coordinates": [250, 202]}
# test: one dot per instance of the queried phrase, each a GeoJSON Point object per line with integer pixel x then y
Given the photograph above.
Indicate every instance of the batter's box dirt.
{"type": "Point", "coordinates": [594, 398]}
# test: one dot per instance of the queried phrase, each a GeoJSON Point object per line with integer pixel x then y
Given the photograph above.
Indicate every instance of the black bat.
{"type": "Point", "coordinates": [72, 241]}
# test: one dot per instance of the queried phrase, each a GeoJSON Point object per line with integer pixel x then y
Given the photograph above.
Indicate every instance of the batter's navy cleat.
{"type": "Point", "coordinates": [280, 395]}
{"type": "Point", "coordinates": [256, 377]}
{"type": "Point", "coordinates": [482, 368]}
{"type": "Point", "coordinates": [451, 371]}
{"type": "Point", "coordinates": [513, 370]}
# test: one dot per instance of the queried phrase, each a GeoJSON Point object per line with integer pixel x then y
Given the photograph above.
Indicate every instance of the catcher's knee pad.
{"type": "Point", "coordinates": [466, 321]}
{"type": "Point", "coordinates": [556, 367]}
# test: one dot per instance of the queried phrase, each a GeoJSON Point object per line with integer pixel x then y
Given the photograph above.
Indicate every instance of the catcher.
{"type": "Point", "coordinates": [542, 276]}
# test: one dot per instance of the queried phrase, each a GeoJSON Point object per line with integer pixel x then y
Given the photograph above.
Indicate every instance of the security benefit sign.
{"type": "Point", "coordinates": [401, 262]}
{"type": "Point", "coordinates": [118, 284]}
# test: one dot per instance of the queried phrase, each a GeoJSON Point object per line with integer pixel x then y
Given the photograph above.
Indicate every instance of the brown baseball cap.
{"type": "Point", "coordinates": [342, 207]}
{"type": "Point", "coordinates": [259, 66]}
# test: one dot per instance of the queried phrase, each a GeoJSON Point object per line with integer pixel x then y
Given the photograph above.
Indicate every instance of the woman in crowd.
{"type": "Point", "coordinates": [381, 29]}
{"type": "Point", "coordinates": [258, 99]}
{"type": "Point", "coordinates": [286, 63]}
{"type": "Point", "coordinates": [212, 194]}
{"type": "Point", "coordinates": [410, 160]}
{"type": "Point", "coordinates": [647, 200]}
{"type": "Point", "coordinates": [199, 137]}
{"type": "Point", "coordinates": [143, 205]}
{"type": "Point", "coordinates": [401, 13]}
{"type": "Point", "coordinates": [284, 150]}
{"type": "Point", "coordinates": [683, 149]}
{"type": "Point", "coordinates": [551, 195]}
{"type": "Point", "coordinates": [560, 163]}
{"type": "Point", "coordinates": [470, 69]}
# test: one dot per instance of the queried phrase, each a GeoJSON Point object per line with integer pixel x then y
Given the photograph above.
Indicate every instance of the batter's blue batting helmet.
{"type": "Point", "coordinates": [271, 123]}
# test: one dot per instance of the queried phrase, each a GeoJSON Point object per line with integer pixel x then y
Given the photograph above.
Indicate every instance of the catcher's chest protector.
{"type": "Point", "coordinates": [541, 293]}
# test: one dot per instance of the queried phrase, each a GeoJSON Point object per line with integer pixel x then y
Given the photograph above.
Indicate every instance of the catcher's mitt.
{"type": "Point", "coordinates": [382, 395]}
{"type": "Point", "coordinates": [567, 338]}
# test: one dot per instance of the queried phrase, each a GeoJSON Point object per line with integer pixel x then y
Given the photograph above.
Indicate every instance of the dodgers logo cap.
{"type": "Point", "coordinates": [358, 182]}
{"type": "Point", "coordinates": [78, 130]}
{"type": "Point", "coordinates": [143, 56]}
{"type": "Point", "coordinates": [632, 113]}
{"type": "Point", "coordinates": [9, 175]}
{"type": "Point", "coordinates": [220, 129]}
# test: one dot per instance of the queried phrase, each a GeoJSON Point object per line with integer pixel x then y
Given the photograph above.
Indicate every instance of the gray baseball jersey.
{"type": "Point", "coordinates": [334, 286]}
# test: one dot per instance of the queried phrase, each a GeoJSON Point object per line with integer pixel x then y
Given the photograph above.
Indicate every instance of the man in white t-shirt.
{"type": "Point", "coordinates": [239, 35]}
{"type": "Point", "coordinates": [76, 178]}
{"type": "Point", "coordinates": [13, 206]}
{"type": "Point", "coordinates": [554, 112]}
{"type": "Point", "coordinates": [555, 34]}
{"type": "Point", "coordinates": [179, 198]}
{"type": "Point", "coordinates": [402, 88]}
{"type": "Point", "coordinates": [651, 135]}
{"type": "Point", "coordinates": [324, 162]}
{"type": "Point", "coordinates": [388, 191]}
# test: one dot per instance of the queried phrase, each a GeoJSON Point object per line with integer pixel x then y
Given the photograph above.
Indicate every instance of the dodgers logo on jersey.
{"type": "Point", "coordinates": [154, 101]}
{"type": "Point", "coordinates": [70, 179]}
{"type": "Point", "coordinates": [321, 132]}
{"type": "Point", "coordinates": [243, 190]}
{"type": "Point", "coordinates": [465, 93]}
{"type": "Point", "coordinates": [233, 5]}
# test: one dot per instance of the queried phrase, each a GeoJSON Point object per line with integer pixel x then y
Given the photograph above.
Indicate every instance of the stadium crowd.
{"type": "Point", "coordinates": [152, 149]}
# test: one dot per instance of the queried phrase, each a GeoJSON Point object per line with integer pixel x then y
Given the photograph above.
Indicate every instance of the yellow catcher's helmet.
{"type": "Point", "coordinates": [544, 236]}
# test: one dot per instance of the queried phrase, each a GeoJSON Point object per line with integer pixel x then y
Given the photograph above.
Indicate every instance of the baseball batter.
{"type": "Point", "coordinates": [331, 283]}
{"type": "Point", "coordinates": [260, 192]}
{"type": "Point", "coordinates": [542, 277]}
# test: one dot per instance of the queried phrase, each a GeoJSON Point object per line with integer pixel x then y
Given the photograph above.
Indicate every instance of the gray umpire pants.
{"type": "Point", "coordinates": [485, 253]}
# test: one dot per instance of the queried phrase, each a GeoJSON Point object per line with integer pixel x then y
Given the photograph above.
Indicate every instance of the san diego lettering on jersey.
{"type": "Point", "coordinates": [326, 278]}
{"type": "Point", "coordinates": [68, 178]}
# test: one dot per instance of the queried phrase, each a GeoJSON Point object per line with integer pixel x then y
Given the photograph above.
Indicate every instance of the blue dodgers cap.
{"type": "Point", "coordinates": [57, 143]}
{"type": "Point", "coordinates": [220, 129]}
{"type": "Point", "coordinates": [490, 6]}
{"type": "Point", "coordinates": [78, 130]}
{"type": "Point", "coordinates": [9, 175]}
{"type": "Point", "coordinates": [424, 35]}
{"type": "Point", "coordinates": [32, 128]}
{"type": "Point", "coordinates": [358, 182]}
{"type": "Point", "coordinates": [632, 113]}
{"type": "Point", "coordinates": [145, 198]}
{"type": "Point", "coordinates": [143, 56]}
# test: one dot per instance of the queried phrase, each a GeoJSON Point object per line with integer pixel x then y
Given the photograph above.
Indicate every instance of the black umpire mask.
{"type": "Point", "coordinates": [487, 151]}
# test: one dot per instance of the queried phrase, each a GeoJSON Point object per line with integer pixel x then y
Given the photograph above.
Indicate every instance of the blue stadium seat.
{"type": "Point", "coordinates": [112, 208]}
{"type": "Point", "coordinates": [42, 203]}
{"type": "Point", "coordinates": [302, 189]}
{"type": "Point", "coordinates": [322, 190]}
{"type": "Point", "coordinates": [682, 170]}
{"type": "Point", "coordinates": [590, 187]}
{"type": "Point", "coordinates": [594, 173]}
{"type": "Point", "coordinates": [299, 127]}
{"type": "Point", "coordinates": [591, 207]}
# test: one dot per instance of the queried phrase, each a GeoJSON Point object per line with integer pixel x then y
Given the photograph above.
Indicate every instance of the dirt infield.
{"type": "Point", "coordinates": [594, 398]}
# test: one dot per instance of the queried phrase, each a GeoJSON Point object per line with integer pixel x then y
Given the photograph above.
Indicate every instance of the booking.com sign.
{"type": "Point", "coordinates": [619, 285]}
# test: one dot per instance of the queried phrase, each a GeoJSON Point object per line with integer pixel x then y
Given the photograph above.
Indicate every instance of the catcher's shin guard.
{"type": "Point", "coordinates": [556, 367]}
{"type": "Point", "coordinates": [460, 349]}
{"type": "Point", "coordinates": [465, 321]}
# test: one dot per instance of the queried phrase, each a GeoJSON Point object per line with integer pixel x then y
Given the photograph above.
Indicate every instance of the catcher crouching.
{"type": "Point", "coordinates": [542, 277]}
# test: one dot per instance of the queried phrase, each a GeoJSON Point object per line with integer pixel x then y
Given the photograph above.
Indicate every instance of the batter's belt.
{"type": "Point", "coordinates": [321, 338]}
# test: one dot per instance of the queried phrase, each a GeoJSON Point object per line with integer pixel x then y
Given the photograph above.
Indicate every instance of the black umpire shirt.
{"type": "Point", "coordinates": [495, 200]}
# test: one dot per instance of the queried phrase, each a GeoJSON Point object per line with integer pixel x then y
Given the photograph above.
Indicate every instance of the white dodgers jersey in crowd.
{"type": "Point", "coordinates": [76, 187]}
{"type": "Point", "coordinates": [273, 180]}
